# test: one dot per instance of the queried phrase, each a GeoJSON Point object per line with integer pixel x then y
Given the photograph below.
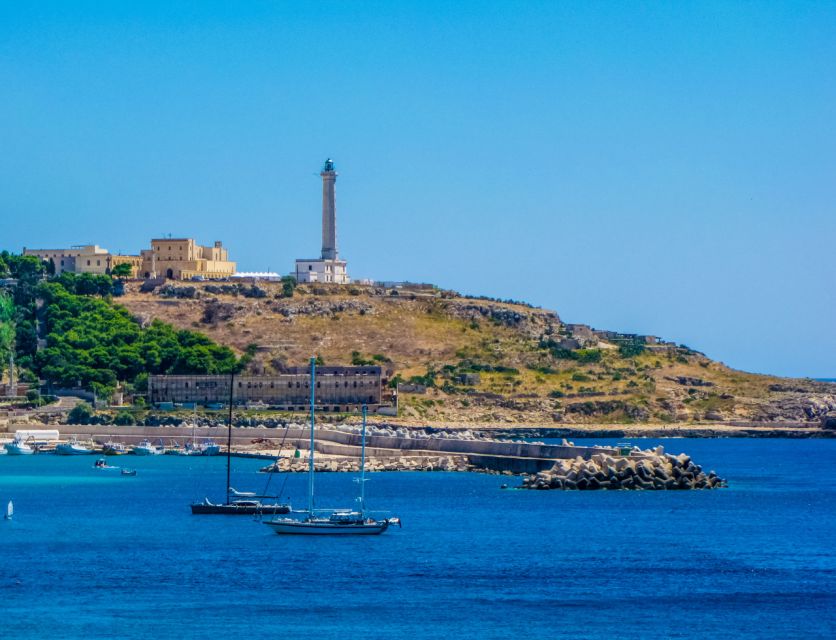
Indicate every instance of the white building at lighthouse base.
{"type": "Point", "coordinates": [319, 270]}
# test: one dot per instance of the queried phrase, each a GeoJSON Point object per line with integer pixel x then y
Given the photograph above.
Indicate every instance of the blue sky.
{"type": "Point", "coordinates": [663, 168]}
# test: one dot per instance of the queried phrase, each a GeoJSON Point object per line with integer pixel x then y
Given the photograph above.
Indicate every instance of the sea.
{"type": "Point", "coordinates": [92, 553]}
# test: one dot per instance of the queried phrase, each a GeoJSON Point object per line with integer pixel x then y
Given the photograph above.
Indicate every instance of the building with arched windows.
{"type": "Point", "coordinates": [337, 389]}
{"type": "Point", "coordinates": [184, 259]}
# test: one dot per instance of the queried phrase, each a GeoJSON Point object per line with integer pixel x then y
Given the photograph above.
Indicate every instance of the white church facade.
{"type": "Point", "coordinates": [328, 267]}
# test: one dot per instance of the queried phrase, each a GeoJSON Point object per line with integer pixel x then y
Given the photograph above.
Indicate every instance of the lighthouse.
{"type": "Point", "coordinates": [329, 210]}
{"type": "Point", "coordinates": [328, 268]}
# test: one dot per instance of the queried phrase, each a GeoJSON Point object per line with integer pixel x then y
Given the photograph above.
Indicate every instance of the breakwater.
{"type": "Point", "coordinates": [650, 469]}
{"type": "Point", "coordinates": [401, 463]}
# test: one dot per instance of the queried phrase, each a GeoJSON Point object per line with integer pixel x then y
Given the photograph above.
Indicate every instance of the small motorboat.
{"type": "Point", "coordinates": [10, 511]}
{"type": "Point", "coordinates": [72, 448]}
{"type": "Point", "coordinates": [101, 463]}
{"type": "Point", "coordinates": [18, 448]}
{"type": "Point", "coordinates": [128, 472]}
{"type": "Point", "coordinates": [145, 448]}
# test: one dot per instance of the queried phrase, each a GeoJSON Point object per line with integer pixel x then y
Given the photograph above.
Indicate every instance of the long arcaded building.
{"type": "Point", "coordinates": [337, 389]}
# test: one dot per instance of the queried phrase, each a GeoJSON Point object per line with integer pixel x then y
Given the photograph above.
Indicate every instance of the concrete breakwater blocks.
{"type": "Point", "coordinates": [402, 463]}
{"type": "Point", "coordinates": [651, 469]}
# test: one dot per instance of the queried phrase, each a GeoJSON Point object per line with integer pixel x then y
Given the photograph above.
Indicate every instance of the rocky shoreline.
{"type": "Point", "coordinates": [651, 469]}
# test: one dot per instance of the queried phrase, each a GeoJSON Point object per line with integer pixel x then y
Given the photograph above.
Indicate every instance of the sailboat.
{"type": "Point", "coordinates": [237, 502]}
{"type": "Point", "coordinates": [10, 511]}
{"type": "Point", "coordinates": [338, 521]}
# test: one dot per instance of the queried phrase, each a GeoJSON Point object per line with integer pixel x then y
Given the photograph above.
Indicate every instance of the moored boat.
{"type": "Point", "coordinates": [18, 447]}
{"type": "Point", "coordinates": [249, 506]}
{"type": "Point", "coordinates": [237, 502]}
{"type": "Point", "coordinates": [209, 448]}
{"type": "Point", "coordinates": [338, 521]}
{"type": "Point", "coordinates": [145, 448]}
{"type": "Point", "coordinates": [114, 449]}
{"type": "Point", "coordinates": [72, 448]}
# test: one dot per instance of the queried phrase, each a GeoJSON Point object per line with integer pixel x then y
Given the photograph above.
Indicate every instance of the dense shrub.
{"type": "Point", "coordinates": [124, 418]}
{"type": "Point", "coordinates": [82, 413]}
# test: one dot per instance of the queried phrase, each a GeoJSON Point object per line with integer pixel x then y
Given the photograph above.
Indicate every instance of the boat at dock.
{"type": "Point", "coordinates": [145, 448]}
{"type": "Point", "coordinates": [333, 521]}
{"type": "Point", "coordinates": [72, 448]}
{"type": "Point", "coordinates": [114, 449]}
{"type": "Point", "coordinates": [237, 502]}
{"type": "Point", "coordinates": [18, 447]}
{"type": "Point", "coordinates": [209, 448]}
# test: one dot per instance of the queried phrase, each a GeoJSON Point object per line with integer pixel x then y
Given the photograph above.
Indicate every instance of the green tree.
{"type": "Point", "coordinates": [124, 418]}
{"type": "Point", "coordinates": [82, 413]}
{"type": "Point", "coordinates": [288, 286]}
{"type": "Point", "coordinates": [121, 270]}
{"type": "Point", "coordinates": [7, 329]}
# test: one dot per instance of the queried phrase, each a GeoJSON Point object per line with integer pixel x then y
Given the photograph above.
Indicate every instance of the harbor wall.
{"type": "Point", "coordinates": [481, 452]}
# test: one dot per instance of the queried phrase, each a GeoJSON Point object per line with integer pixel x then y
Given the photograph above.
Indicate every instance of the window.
{"type": "Point", "coordinates": [310, 267]}
{"type": "Point", "coordinates": [88, 263]}
{"type": "Point", "coordinates": [98, 263]}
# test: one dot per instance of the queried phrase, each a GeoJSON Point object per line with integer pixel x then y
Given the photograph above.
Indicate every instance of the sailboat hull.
{"type": "Point", "coordinates": [300, 527]}
{"type": "Point", "coordinates": [201, 508]}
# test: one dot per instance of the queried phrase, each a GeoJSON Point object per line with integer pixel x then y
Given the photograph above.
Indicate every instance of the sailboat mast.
{"type": "Point", "coordinates": [229, 434]}
{"type": "Point", "coordinates": [363, 465]}
{"type": "Point", "coordinates": [311, 454]}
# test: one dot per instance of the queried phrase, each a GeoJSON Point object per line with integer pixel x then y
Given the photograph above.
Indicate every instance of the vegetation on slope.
{"type": "Point", "coordinates": [97, 343]}
{"type": "Point", "coordinates": [90, 341]}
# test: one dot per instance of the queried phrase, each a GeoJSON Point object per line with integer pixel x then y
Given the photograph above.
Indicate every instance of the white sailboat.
{"type": "Point", "coordinates": [337, 521]}
{"type": "Point", "coordinates": [10, 510]}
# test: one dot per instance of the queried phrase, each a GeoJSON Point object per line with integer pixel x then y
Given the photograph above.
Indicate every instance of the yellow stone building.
{"type": "Point", "coordinates": [89, 258]}
{"type": "Point", "coordinates": [184, 259]}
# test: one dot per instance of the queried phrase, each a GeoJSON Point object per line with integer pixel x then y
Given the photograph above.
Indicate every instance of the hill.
{"type": "Point", "coordinates": [476, 360]}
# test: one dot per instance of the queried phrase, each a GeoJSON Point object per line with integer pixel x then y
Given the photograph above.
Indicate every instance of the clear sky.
{"type": "Point", "coordinates": [663, 168]}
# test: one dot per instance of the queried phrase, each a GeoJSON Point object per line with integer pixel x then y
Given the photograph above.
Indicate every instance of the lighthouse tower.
{"type": "Point", "coordinates": [328, 268]}
{"type": "Point", "coordinates": [329, 210]}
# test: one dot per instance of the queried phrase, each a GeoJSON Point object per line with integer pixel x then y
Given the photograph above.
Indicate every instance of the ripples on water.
{"type": "Point", "coordinates": [93, 554]}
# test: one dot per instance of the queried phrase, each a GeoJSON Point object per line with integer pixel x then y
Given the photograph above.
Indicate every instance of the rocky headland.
{"type": "Point", "coordinates": [470, 361]}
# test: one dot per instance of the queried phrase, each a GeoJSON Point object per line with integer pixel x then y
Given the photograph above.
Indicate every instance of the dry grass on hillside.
{"type": "Point", "coordinates": [519, 380]}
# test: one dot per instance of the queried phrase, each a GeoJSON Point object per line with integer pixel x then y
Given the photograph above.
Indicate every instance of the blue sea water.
{"type": "Point", "coordinates": [94, 554]}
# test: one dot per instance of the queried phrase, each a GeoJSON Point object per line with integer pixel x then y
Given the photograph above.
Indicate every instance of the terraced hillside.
{"type": "Point", "coordinates": [470, 360]}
